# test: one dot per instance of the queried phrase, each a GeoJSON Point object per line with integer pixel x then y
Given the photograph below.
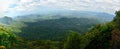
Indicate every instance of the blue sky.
{"type": "Point", "coordinates": [18, 7]}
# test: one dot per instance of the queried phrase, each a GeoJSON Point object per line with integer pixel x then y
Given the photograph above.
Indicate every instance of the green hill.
{"type": "Point", "coordinates": [56, 29]}
{"type": "Point", "coordinates": [104, 36]}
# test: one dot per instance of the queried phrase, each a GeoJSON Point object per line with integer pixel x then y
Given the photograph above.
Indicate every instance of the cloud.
{"type": "Point", "coordinates": [108, 6]}
{"type": "Point", "coordinates": [4, 6]}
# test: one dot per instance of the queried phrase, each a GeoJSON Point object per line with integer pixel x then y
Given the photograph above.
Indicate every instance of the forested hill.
{"type": "Point", "coordinates": [108, 35]}
{"type": "Point", "coordinates": [101, 16]}
{"type": "Point", "coordinates": [105, 36]}
{"type": "Point", "coordinates": [55, 29]}
{"type": "Point", "coordinates": [81, 33]}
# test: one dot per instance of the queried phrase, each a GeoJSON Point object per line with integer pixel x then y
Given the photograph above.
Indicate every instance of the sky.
{"type": "Point", "coordinates": [20, 7]}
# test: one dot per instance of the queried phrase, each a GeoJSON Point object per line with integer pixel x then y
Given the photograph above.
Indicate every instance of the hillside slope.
{"type": "Point", "coordinates": [105, 36]}
{"type": "Point", "coordinates": [55, 29]}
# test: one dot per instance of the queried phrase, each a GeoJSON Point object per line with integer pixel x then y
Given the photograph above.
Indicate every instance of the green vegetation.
{"type": "Point", "coordinates": [101, 36]}
{"type": "Point", "coordinates": [72, 41]}
{"type": "Point", "coordinates": [116, 32]}
{"type": "Point", "coordinates": [105, 36]}
{"type": "Point", "coordinates": [56, 29]}
{"type": "Point", "coordinates": [7, 39]}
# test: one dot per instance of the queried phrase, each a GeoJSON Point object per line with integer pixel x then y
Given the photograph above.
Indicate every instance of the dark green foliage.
{"type": "Point", "coordinates": [55, 29]}
{"type": "Point", "coordinates": [101, 39]}
{"type": "Point", "coordinates": [115, 43]}
{"type": "Point", "coordinates": [116, 20]}
{"type": "Point", "coordinates": [6, 37]}
{"type": "Point", "coordinates": [73, 41]}
{"type": "Point", "coordinates": [39, 44]}
{"type": "Point", "coordinates": [105, 36]}
{"type": "Point", "coordinates": [87, 38]}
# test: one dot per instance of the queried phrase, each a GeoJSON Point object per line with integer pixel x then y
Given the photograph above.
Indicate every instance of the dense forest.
{"type": "Point", "coordinates": [100, 36]}
{"type": "Point", "coordinates": [59, 30]}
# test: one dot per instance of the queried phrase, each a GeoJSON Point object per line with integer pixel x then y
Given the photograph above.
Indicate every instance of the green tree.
{"type": "Point", "coordinates": [115, 44]}
{"type": "Point", "coordinates": [116, 20]}
{"type": "Point", "coordinates": [73, 41]}
{"type": "Point", "coordinates": [13, 40]}
{"type": "Point", "coordinates": [6, 37]}
{"type": "Point", "coordinates": [101, 39]}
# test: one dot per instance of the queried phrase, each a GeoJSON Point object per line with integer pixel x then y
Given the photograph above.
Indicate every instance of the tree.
{"type": "Point", "coordinates": [115, 43]}
{"type": "Point", "coordinates": [12, 40]}
{"type": "Point", "coordinates": [73, 41]}
{"type": "Point", "coordinates": [99, 38]}
{"type": "Point", "coordinates": [6, 37]}
{"type": "Point", "coordinates": [117, 19]}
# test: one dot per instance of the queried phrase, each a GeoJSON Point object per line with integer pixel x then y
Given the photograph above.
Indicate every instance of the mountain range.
{"type": "Point", "coordinates": [54, 25]}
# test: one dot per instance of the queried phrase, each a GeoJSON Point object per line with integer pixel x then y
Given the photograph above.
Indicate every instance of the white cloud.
{"type": "Point", "coordinates": [4, 6]}
{"type": "Point", "coordinates": [26, 1]}
{"type": "Point", "coordinates": [99, 5]}
{"type": "Point", "coordinates": [109, 6]}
